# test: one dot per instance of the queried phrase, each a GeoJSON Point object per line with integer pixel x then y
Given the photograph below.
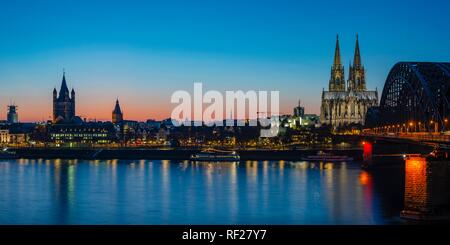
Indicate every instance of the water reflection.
{"type": "Point", "coordinates": [427, 195]}
{"type": "Point", "coordinates": [64, 190]}
{"type": "Point", "coordinates": [184, 192]}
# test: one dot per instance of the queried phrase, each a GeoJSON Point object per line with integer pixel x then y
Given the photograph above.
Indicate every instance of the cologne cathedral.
{"type": "Point", "coordinates": [345, 104]}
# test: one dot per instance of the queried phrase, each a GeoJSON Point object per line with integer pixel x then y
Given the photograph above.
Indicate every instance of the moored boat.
{"type": "Point", "coordinates": [327, 157]}
{"type": "Point", "coordinates": [214, 155]}
{"type": "Point", "coordinates": [5, 153]}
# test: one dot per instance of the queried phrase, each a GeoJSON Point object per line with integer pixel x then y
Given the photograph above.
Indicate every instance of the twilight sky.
{"type": "Point", "coordinates": [143, 51]}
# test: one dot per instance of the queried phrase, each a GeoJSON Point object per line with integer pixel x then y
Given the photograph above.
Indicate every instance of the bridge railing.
{"type": "Point", "coordinates": [418, 136]}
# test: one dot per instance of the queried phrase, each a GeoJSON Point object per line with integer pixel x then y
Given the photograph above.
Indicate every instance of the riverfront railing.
{"type": "Point", "coordinates": [417, 136]}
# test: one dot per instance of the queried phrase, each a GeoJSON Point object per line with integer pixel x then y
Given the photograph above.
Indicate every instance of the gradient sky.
{"type": "Point", "coordinates": [142, 51]}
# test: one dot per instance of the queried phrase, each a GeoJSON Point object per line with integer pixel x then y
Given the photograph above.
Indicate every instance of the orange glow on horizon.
{"type": "Point", "coordinates": [39, 110]}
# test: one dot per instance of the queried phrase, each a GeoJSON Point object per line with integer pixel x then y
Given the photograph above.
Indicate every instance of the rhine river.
{"type": "Point", "coordinates": [180, 192]}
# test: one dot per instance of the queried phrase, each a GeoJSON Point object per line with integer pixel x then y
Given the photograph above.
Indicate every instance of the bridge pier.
{"type": "Point", "coordinates": [427, 187]}
{"type": "Point", "coordinates": [367, 154]}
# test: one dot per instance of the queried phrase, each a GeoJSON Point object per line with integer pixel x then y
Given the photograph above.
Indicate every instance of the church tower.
{"type": "Point", "coordinates": [63, 104]}
{"type": "Point", "coordinates": [337, 79]}
{"type": "Point", "coordinates": [357, 77]}
{"type": "Point", "coordinates": [12, 116]}
{"type": "Point", "coordinates": [117, 115]}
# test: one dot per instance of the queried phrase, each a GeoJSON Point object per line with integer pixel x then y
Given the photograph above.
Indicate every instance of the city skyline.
{"type": "Point", "coordinates": [141, 56]}
{"type": "Point", "coordinates": [230, 119]}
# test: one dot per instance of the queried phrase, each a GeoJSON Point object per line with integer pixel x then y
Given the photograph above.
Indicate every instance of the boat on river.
{"type": "Point", "coordinates": [327, 157]}
{"type": "Point", "coordinates": [214, 155]}
{"type": "Point", "coordinates": [5, 153]}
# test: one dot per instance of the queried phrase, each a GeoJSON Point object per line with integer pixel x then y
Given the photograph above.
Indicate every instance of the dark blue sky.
{"type": "Point", "coordinates": [142, 51]}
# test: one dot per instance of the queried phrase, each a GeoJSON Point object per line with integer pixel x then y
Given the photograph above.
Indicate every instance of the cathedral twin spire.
{"type": "Point", "coordinates": [337, 53]}
{"type": "Point", "coordinates": [337, 80]}
{"type": "Point", "coordinates": [356, 80]}
{"type": "Point", "coordinates": [357, 57]}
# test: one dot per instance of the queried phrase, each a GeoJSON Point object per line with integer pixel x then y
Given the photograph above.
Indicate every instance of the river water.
{"type": "Point", "coordinates": [180, 192]}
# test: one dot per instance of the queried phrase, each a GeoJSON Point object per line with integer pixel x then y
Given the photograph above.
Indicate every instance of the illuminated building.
{"type": "Point", "coordinates": [300, 119]}
{"type": "Point", "coordinates": [79, 135]}
{"type": "Point", "coordinates": [4, 136]}
{"type": "Point", "coordinates": [311, 120]}
{"type": "Point", "coordinates": [67, 129]}
{"type": "Point", "coordinates": [343, 105]}
{"type": "Point", "coordinates": [14, 134]}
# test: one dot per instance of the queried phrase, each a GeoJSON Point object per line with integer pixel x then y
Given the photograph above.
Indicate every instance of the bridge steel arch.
{"type": "Point", "coordinates": [416, 92]}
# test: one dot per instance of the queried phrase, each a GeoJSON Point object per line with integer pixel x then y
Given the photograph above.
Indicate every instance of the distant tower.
{"type": "Point", "coordinates": [64, 104]}
{"type": "Point", "coordinates": [12, 116]}
{"type": "Point", "coordinates": [117, 115]}
{"type": "Point", "coordinates": [337, 79]}
{"type": "Point", "coordinates": [299, 111]}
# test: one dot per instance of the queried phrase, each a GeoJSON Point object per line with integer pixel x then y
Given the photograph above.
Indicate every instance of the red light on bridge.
{"type": "Point", "coordinates": [367, 152]}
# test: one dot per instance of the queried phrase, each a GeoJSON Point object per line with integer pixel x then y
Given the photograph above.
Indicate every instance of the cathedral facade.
{"type": "Point", "coordinates": [346, 102]}
{"type": "Point", "coordinates": [63, 104]}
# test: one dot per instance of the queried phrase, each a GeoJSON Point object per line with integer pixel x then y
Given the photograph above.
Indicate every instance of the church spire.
{"type": "Point", "coordinates": [117, 115]}
{"type": "Point", "coordinates": [337, 53]}
{"type": "Point", "coordinates": [117, 109]}
{"type": "Point", "coordinates": [64, 84]}
{"type": "Point", "coordinates": [63, 104]}
{"type": "Point", "coordinates": [337, 80]}
{"type": "Point", "coordinates": [357, 77]}
{"type": "Point", "coordinates": [64, 91]}
{"type": "Point", "coordinates": [357, 58]}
